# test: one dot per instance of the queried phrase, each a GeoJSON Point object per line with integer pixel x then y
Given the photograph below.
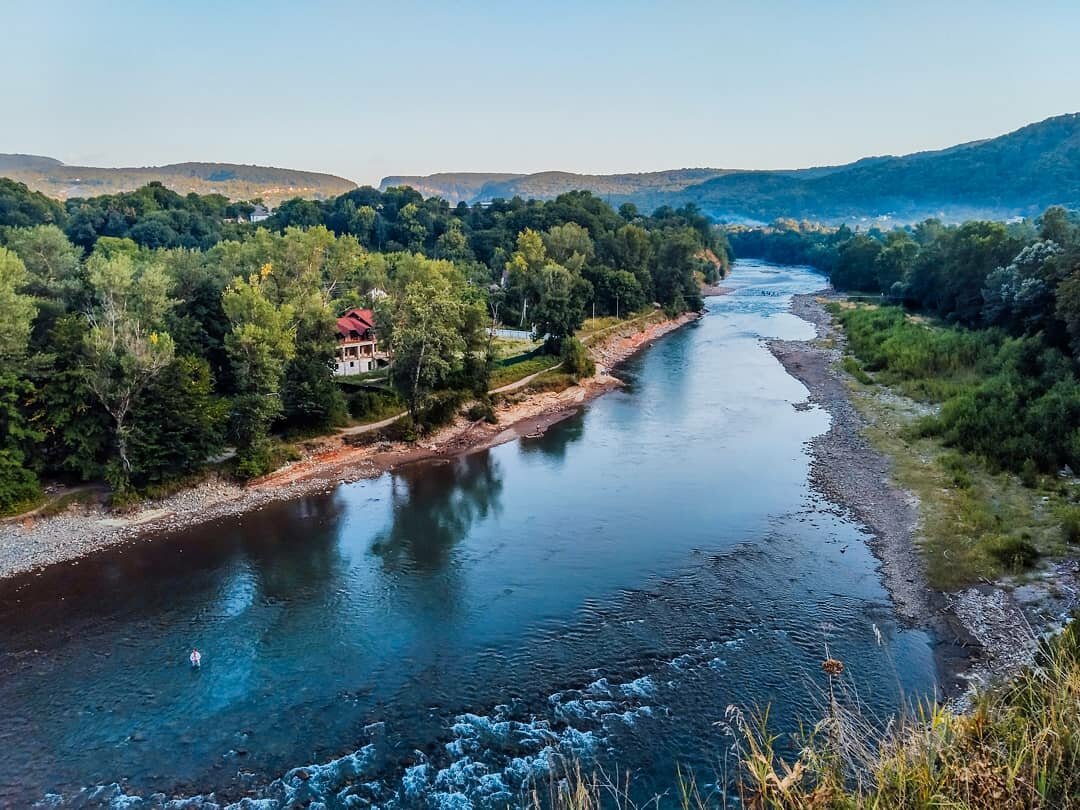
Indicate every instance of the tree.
{"type": "Point", "coordinates": [17, 484]}
{"type": "Point", "coordinates": [262, 340]}
{"type": "Point", "coordinates": [569, 245]}
{"type": "Point", "coordinates": [425, 336]}
{"type": "Point", "coordinates": [124, 348]}
{"type": "Point", "coordinates": [856, 264]}
{"type": "Point", "coordinates": [17, 310]}
{"type": "Point", "coordinates": [20, 207]}
{"type": "Point", "coordinates": [177, 422]}
{"type": "Point", "coordinates": [894, 262]}
{"type": "Point", "coordinates": [1068, 308]}
{"type": "Point", "coordinates": [560, 297]}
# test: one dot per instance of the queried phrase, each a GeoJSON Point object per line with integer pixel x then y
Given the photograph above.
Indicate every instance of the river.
{"type": "Point", "coordinates": [604, 592]}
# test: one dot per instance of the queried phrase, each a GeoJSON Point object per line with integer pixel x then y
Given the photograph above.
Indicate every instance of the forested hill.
{"type": "Point", "coordinates": [232, 180]}
{"type": "Point", "coordinates": [1018, 174]}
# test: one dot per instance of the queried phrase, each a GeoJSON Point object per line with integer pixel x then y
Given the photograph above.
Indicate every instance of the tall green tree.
{"type": "Point", "coordinates": [17, 311]}
{"type": "Point", "coordinates": [425, 337]}
{"type": "Point", "coordinates": [260, 343]}
{"type": "Point", "coordinates": [125, 347]}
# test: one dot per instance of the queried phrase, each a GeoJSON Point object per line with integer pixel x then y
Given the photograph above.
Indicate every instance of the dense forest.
{"type": "Point", "coordinates": [1000, 352]}
{"type": "Point", "coordinates": [142, 332]}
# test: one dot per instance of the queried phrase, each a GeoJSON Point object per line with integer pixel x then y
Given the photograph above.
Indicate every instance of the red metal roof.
{"type": "Point", "coordinates": [356, 323]}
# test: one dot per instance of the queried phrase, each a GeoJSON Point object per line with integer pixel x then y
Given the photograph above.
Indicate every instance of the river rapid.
{"type": "Point", "coordinates": [444, 634]}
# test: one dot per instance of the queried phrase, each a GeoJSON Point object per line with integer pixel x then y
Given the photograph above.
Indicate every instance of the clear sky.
{"type": "Point", "coordinates": [369, 89]}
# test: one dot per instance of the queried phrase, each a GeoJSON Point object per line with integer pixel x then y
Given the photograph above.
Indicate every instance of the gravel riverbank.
{"type": "Point", "coordinates": [982, 633]}
{"type": "Point", "coordinates": [850, 472]}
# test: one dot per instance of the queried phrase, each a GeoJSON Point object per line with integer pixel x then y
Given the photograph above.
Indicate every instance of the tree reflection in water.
{"type": "Point", "coordinates": [434, 507]}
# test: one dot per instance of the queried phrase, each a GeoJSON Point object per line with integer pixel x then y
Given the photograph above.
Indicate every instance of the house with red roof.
{"type": "Point", "coordinates": [358, 346]}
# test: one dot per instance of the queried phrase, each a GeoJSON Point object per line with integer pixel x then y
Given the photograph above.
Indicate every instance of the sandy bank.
{"type": "Point", "coordinates": [36, 542]}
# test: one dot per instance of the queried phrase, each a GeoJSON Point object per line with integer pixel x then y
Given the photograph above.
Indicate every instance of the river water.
{"type": "Point", "coordinates": [438, 636]}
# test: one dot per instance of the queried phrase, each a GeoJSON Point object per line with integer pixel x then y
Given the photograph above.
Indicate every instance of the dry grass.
{"type": "Point", "coordinates": [1017, 748]}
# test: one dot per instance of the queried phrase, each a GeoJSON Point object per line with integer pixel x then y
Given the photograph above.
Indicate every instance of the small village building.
{"type": "Point", "coordinates": [358, 348]}
{"type": "Point", "coordinates": [259, 213]}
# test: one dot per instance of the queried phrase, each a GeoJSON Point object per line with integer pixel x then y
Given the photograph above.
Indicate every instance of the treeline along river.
{"type": "Point", "coordinates": [603, 592]}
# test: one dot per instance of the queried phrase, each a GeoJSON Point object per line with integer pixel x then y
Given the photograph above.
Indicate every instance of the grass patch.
{"type": "Point", "coordinates": [551, 381]}
{"type": "Point", "coordinates": [62, 504]}
{"type": "Point", "coordinates": [973, 523]}
{"type": "Point", "coordinates": [852, 367]}
{"type": "Point", "coordinates": [513, 371]}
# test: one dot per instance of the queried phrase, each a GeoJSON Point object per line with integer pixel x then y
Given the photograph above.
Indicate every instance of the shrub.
{"type": "Point", "coordinates": [852, 367]}
{"type": "Point", "coordinates": [1015, 553]}
{"type": "Point", "coordinates": [440, 409]}
{"type": "Point", "coordinates": [576, 360]}
{"type": "Point", "coordinates": [955, 465]}
{"type": "Point", "coordinates": [1029, 474]}
{"type": "Point", "coordinates": [264, 458]}
{"type": "Point", "coordinates": [18, 486]}
{"type": "Point", "coordinates": [481, 410]}
{"type": "Point", "coordinates": [372, 406]}
{"type": "Point", "coordinates": [1070, 525]}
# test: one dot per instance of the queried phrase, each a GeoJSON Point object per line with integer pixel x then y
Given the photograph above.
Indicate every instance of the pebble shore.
{"type": "Point", "coordinates": [982, 633]}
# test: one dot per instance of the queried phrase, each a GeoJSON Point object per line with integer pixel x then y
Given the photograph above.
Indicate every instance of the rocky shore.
{"type": "Point", "coordinates": [982, 633]}
{"type": "Point", "coordinates": [35, 542]}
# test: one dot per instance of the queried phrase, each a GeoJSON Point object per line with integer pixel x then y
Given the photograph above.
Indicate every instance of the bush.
{"type": "Point", "coordinates": [1070, 525]}
{"type": "Point", "coordinates": [372, 406]}
{"type": "Point", "coordinates": [18, 486]}
{"type": "Point", "coordinates": [440, 409]}
{"type": "Point", "coordinates": [576, 360]}
{"type": "Point", "coordinates": [852, 367]}
{"type": "Point", "coordinates": [955, 465]}
{"type": "Point", "coordinates": [1014, 402]}
{"type": "Point", "coordinates": [263, 459]}
{"type": "Point", "coordinates": [1029, 474]}
{"type": "Point", "coordinates": [1015, 553]}
{"type": "Point", "coordinates": [481, 410]}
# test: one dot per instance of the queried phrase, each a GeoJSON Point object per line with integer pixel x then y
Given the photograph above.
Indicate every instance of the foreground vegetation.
{"type": "Point", "coordinates": [1016, 748]}
{"type": "Point", "coordinates": [142, 333]}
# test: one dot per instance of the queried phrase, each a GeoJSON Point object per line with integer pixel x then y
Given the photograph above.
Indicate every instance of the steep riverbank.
{"type": "Point", "coordinates": [36, 542]}
{"type": "Point", "coordinates": [984, 632]}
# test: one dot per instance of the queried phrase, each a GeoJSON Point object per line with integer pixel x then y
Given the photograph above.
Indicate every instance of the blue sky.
{"type": "Point", "coordinates": [365, 90]}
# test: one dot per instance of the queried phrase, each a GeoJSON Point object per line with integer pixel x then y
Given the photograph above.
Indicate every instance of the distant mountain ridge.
{"type": "Point", "coordinates": [1017, 174]}
{"type": "Point", "coordinates": [233, 180]}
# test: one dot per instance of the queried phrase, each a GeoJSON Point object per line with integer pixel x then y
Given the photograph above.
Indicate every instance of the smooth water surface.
{"type": "Point", "coordinates": [604, 592]}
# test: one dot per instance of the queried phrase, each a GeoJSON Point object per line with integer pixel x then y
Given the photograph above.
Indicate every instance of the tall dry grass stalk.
{"type": "Point", "coordinates": [1017, 748]}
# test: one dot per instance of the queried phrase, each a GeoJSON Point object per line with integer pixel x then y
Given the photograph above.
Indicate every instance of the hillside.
{"type": "Point", "coordinates": [1016, 174]}
{"type": "Point", "coordinates": [479, 187]}
{"type": "Point", "coordinates": [454, 187]}
{"type": "Point", "coordinates": [235, 181]}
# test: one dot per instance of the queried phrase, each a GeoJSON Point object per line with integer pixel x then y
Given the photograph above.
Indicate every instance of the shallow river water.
{"type": "Point", "coordinates": [439, 635]}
